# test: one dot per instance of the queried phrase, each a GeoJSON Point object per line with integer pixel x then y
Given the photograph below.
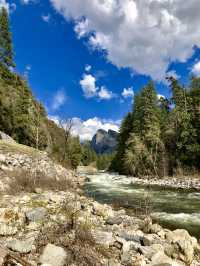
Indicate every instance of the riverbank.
{"type": "Point", "coordinates": [65, 228]}
{"type": "Point", "coordinates": [52, 223]}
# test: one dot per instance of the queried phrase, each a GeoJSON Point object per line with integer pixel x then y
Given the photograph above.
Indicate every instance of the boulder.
{"type": "Point", "coordinates": [183, 245]}
{"type": "Point", "coordinates": [21, 246]}
{"type": "Point", "coordinates": [104, 211]}
{"type": "Point", "coordinates": [36, 214]}
{"type": "Point", "coordinates": [53, 255]}
{"type": "Point", "coordinates": [151, 239]}
{"type": "Point", "coordinates": [160, 259]}
{"type": "Point", "coordinates": [114, 220]}
{"type": "Point", "coordinates": [103, 238]}
{"type": "Point", "coordinates": [150, 251]}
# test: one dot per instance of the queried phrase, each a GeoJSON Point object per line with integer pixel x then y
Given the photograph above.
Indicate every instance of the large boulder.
{"type": "Point", "coordinates": [53, 256]}
{"type": "Point", "coordinates": [183, 245]}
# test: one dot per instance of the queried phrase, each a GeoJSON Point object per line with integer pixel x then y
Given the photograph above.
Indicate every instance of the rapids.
{"type": "Point", "coordinates": [171, 208]}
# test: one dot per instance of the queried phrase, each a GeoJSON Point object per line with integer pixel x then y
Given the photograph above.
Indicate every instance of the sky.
{"type": "Point", "coordinates": [85, 59]}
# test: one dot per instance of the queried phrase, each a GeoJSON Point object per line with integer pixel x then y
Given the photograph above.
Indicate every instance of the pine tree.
{"type": "Point", "coordinates": [124, 132]}
{"type": "Point", "coordinates": [6, 49]}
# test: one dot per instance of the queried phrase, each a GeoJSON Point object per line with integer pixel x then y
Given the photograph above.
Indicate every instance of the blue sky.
{"type": "Point", "coordinates": [86, 59]}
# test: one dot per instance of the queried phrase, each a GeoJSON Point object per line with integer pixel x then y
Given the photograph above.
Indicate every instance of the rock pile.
{"type": "Point", "coordinates": [46, 227]}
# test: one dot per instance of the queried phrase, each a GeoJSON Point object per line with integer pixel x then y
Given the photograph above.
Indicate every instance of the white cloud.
{"type": "Point", "coordinates": [58, 100]}
{"type": "Point", "coordinates": [46, 18]}
{"type": "Point", "coordinates": [88, 68]}
{"type": "Point", "coordinates": [27, 71]}
{"type": "Point", "coordinates": [86, 129]}
{"type": "Point", "coordinates": [90, 89]}
{"type": "Point", "coordinates": [88, 85]}
{"type": "Point", "coordinates": [196, 69]}
{"type": "Point", "coordinates": [105, 94]}
{"type": "Point", "coordinates": [144, 35]}
{"type": "Point", "coordinates": [128, 93]}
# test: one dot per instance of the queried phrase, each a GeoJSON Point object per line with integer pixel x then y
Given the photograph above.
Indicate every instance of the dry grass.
{"type": "Point", "coordinates": [27, 181]}
{"type": "Point", "coordinates": [14, 147]}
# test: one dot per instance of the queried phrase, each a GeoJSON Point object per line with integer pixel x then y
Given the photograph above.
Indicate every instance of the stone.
{"type": "Point", "coordinates": [53, 255]}
{"type": "Point", "coordinates": [150, 251]}
{"type": "Point", "coordinates": [130, 236]}
{"type": "Point", "coordinates": [114, 220]}
{"type": "Point", "coordinates": [151, 239]}
{"type": "Point", "coordinates": [183, 245]}
{"type": "Point", "coordinates": [21, 246]}
{"type": "Point", "coordinates": [36, 214]}
{"type": "Point", "coordinates": [7, 230]}
{"type": "Point", "coordinates": [155, 228]}
{"type": "Point", "coordinates": [104, 211]}
{"type": "Point", "coordinates": [103, 238]}
{"type": "Point", "coordinates": [160, 259]}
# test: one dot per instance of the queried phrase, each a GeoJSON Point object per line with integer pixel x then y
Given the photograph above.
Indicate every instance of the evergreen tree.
{"type": "Point", "coordinates": [6, 49]}
{"type": "Point", "coordinates": [124, 132]}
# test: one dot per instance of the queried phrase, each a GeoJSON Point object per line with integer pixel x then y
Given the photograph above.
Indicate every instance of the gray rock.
{"type": "Point", "coordinates": [130, 237]}
{"type": "Point", "coordinates": [151, 239]}
{"type": "Point", "coordinates": [36, 215]}
{"type": "Point", "coordinates": [114, 220]}
{"type": "Point", "coordinates": [53, 255]}
{"type": "Point", "coordinates": [22, 246]}
{"type": "Point", "coordinates": [103, 238]}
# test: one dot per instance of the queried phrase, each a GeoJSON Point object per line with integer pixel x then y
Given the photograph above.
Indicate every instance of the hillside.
{"type": "Point", "coordinates": [24, 119]}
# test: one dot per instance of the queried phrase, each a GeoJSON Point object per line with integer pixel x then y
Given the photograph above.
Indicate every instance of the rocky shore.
{"type": "Point", "coordinates": [169, 182]}
{"type": "Point", "coordinates": [62, 227]}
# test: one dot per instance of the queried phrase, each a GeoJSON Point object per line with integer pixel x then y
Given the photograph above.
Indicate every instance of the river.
{"type": "Point", "coordinates": [171, 208]}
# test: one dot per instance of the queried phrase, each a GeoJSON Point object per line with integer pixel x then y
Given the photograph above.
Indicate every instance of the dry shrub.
{"type": "Point", "coordinates": [78, 243]}
{"type": "Point", "coordinates": [27, 181]}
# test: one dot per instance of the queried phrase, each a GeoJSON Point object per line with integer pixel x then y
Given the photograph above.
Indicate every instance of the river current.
{"type": "Point", "coordinates": [171, 208]}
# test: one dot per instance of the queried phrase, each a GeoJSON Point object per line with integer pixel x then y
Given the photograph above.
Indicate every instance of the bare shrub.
{"type": "Point", "coordinates": [27, 181]}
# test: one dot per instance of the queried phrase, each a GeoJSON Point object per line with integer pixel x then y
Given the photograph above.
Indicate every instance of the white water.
{"type": "Point", "coordinates": [172, 208]}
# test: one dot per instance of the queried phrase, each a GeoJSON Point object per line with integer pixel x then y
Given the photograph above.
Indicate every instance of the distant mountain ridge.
{"type": "Point", "coordinates": [104, 141]}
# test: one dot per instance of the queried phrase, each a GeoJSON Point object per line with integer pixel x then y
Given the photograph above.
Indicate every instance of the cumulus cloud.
{"type": "Point", "coordinates": [90, 89]}
{"type": "Point", "coordinates": [88, 85]}
{"type": "Point", "coordinates": [58, 100]}
{"type": "Point", "coordinates": [128, 93]}
{"type": "Point", "coordinates": [86, 129]}
{"type": "Point", "coordinates": [196, 69]}
{"type": "Point", "coordinates": [145, 36]}
{"type": "Point", "coordinates": [46, 18]}
{"type": "Point", "coordinates": [105, 94]}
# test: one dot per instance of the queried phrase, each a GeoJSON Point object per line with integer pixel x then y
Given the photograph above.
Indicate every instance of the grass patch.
{"type": "Point", "coordinates": [14, 147]}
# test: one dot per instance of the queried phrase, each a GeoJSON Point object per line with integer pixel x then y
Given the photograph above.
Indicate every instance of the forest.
{"type": "Point", "coordinates": [161, 136]}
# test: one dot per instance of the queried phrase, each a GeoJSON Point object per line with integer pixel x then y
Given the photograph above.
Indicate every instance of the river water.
{"type": "Point", "coordinates": [171, 208]}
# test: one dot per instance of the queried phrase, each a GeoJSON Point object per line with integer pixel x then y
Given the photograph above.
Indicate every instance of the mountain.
{"type": "Point", "coordinates": [104, 142]}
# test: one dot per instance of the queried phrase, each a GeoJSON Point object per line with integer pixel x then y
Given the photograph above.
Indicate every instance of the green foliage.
{"type": "Point", "coordinates": [89, 156]}
{"type": "Point", "coordinates": [6, 50]}
{"type": "Point", "coordinates": [104, 161]}
{"type": "Point", "coordinates": [161, 138]}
